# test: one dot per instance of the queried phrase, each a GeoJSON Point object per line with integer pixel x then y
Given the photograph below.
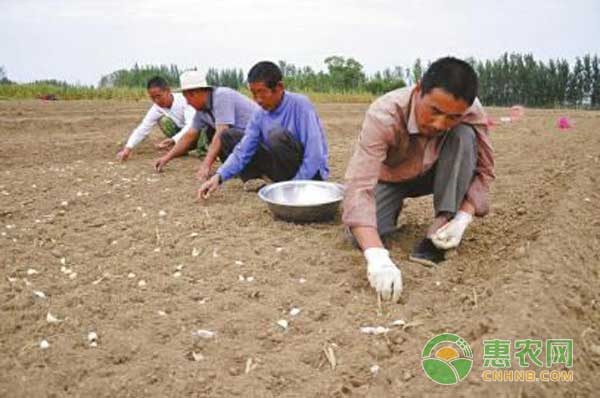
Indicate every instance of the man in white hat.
{"type": "Point", "coordinates": [218, 109]}
{"type": "Point", "coordinates": [170, 112]}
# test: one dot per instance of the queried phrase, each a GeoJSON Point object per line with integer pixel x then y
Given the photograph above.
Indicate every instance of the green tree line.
{"type": "Point", "coordinates": [521, 79]}
{"type": "Point", "coordinates": [344, 75]}
{"type": "Point", "coordinates": [510, 79]}
{"type": "Point", "coordinates": [138, 76]}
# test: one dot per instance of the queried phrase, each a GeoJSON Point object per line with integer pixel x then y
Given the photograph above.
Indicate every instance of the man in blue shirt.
{"type": "Point", "coordinates": [283, 141]}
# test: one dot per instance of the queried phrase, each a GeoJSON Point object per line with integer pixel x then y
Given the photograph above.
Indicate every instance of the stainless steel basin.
{"type": "Point", "coordinates": [303, 200]}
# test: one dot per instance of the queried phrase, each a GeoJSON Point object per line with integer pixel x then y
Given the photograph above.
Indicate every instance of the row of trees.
{"type": "Point", "coordinates": [343, 75]}
{"type": "Point", "coordinates": [520, 79]}
{"type": "Point", "coordinates": [233, 78]}
{"type": "Point", "coordinates": [138, 76]}
{"type": "Point", "coordinates": [510, 79]}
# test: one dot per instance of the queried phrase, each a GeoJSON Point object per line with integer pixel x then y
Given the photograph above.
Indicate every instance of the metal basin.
{"type": "Point", "coordinates": [303, 200]}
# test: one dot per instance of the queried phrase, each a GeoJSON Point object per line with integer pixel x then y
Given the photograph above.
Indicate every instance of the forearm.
{"type": "Point", "coordinates": [478, 192]}
{"type": "Point", "coordinates": [183, 145]}
{"type": "Point", "coordinates": [129, 145]}
{"type": "Point", "coordinates": [213, 152]}
{"type": "Point", "coordinates": [309, 167]}
{"type": "Point", "coordinates": [467, 207]}
{"type": "Point", "coordinates": [136, 137]}
{"type": "Point", "coordinates": [241, 155]}
{"type": "Point", "coordinates": [144, 128]}
{"type": "Point", "coordinates": [215, 146]}
{"type": "Point", "coordinates": [180, 134]}
{"type": "Point", "coordinates": [478, 196]}
{"type": "Point", "coordinates": [367, 237]}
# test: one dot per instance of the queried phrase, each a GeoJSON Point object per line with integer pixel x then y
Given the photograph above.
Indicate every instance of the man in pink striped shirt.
{"type": "Point", "coordinates": [416, 141]}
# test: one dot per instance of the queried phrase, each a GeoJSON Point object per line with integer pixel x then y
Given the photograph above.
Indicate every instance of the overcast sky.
{"type": "Point", "coordinates": [79, 41]}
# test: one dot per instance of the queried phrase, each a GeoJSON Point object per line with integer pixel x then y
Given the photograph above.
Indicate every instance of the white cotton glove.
{"type": "Point", "coordinates": [383, 275]}
{"type": "Point", "coordinates": [450, 235]}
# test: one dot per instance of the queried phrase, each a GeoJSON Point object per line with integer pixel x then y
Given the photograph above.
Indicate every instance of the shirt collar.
{"type": "Point", "coordinates": [208, 106]}
{"type": "Point", "coordinates": [281, 104]}
{"type": "Point", "coordinates": [411, 125]}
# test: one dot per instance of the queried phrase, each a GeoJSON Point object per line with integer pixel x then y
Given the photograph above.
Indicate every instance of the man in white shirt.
{"type": "Point", "coordinates": [170, 112]}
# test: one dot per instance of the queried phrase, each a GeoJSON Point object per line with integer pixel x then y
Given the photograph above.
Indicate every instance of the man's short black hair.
{"type": "Point", "coordinates": [266, 72]}
{"type": "Point", "coordinates": [452, 75]}
{"type": "Point", "coordinates": [157, 81]}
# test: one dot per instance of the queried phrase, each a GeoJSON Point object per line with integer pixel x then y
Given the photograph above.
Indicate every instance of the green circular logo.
{"type": "Point", "coordinates": [447, 359]}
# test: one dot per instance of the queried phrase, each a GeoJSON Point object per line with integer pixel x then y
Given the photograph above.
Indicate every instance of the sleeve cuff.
{"type": "Point", "coordinates": [223, 175]}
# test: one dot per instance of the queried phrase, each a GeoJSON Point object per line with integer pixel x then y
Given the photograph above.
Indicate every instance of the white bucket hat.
{"type": "Point", "coordinates": [193, 79]}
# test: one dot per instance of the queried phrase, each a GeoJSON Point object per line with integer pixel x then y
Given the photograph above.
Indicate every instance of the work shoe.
{"type": "Point", "coordinates": [427, 254]}
{"type": "Point", "coordinates": [254, 185]}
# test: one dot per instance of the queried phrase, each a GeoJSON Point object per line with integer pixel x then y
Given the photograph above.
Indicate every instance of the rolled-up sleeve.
{"type": "Point", "coordinates": [224, 108]}
{"type": "Point", "coordinates": [363, 170]}
{"type": "Point", "coordinates": [478, 193]}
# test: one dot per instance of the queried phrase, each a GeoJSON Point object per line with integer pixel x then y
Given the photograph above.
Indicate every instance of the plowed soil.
{"type": "Point", "coordinates": [86, 230]}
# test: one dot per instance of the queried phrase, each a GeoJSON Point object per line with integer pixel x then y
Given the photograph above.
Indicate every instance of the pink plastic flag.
{"type": "Point", "coordinates": [564, 123]}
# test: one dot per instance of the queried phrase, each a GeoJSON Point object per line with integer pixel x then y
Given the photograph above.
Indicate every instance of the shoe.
{"type": "Point", "coordinates": [254, 185]}
{"type": "Point", "coordinates": [427, 254]}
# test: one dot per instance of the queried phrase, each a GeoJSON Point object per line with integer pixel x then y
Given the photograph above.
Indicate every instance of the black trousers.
{"type": "Point", "coordinates": [278, 159]}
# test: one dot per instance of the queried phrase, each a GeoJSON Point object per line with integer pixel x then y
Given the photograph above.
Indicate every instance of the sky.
{"type": "Point", "coordinates": [80, 41]}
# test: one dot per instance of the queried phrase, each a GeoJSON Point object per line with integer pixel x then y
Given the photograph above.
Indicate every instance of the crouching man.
{"type": "Point", "coordinates": [218, 110]}
{"type": "Point", "coordinates": [416, 141]}
{"type": "Point", "coordinates": [283, 141]}
{"type": "Point", "coordinates": [169, 111]}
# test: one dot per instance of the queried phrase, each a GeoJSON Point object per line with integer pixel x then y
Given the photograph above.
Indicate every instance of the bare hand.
{"type": "Point", "coordinates": [165, 144]}
{"type": "Point", "coordinates": [208, 187]}
{"type": "Point", "coordinates": [124, 154]}
{"type": "Point", "coordinates": [160, 164]}
{"type": "Point", "coordinates": [203, 172]}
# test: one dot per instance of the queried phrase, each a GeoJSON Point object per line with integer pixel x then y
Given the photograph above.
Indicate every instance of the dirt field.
{"type": "Point", "coordinates": [94, 229]}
